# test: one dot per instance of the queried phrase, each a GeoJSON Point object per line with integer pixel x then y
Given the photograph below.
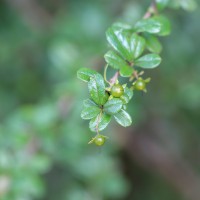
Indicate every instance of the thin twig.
{"type": "Point", "coordinates": [151, 10]}
{"type": "Point", "coordinates": [105, 76]}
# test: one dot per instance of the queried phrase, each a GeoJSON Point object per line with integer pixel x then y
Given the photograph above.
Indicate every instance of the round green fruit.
{"type": "Point", "coordinates": [99, 140]}
{"type": "Point", "coordinates": [117, 90]}
{"type": "Point", "coordinates": [140, 84]}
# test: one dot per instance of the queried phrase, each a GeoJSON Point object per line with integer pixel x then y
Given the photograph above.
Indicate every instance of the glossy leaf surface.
{"type": "Point", "coordinates": [126, 71]}
{"type": "Point", "coordinates": [89, 103]}
{"type": "Point", "coordinates": [157, 25]}
{"type": "Point", "coordinates": [123, 118]}
{"type": "Point", "coordinates": [114, 60]}
{"type": "Point", "coordinates": [148, 61]}
{"type": "Point", "coordinates": [90, 112]}
{"type": "Point", "coordinates": [97, 91]}
{"type": "Point", "coordinates": [127, 96]}
{"type": "Point", "coordinates": [100, 122]}
{"type": "Point", "coordinates": [137, 45]}
{"type": "Point", "coordinates": [85, 74]}
{"type": "Point", "coordinates": [152, 43]}
{"type": "Point", "coordinates": [113, 106]}
{"type": "Point", "coordinates": [118, 39]}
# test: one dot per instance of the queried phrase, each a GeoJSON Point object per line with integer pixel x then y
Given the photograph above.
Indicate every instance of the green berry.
{"type": "Point", "coordinates": [117, 90]}
{"type": "Point", "coordinates": [140, 84]}
{"type": "Point", "coordinates": [99, 140]}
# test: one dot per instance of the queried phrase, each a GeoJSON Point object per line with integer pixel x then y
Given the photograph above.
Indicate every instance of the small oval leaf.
{"type": "Point", "coordinates": [114, 60]}
{"type": "Point", "coordinates": [157, 25]}
{"type": "Point", "coordinates": [90, 112]}
{"type": "Point", "coordinates": [113, 106]}
{"type": "Point", "coordinates": [85, 74]}
{"type": "Point", "coordinates": [89, 103]}
{"type": "Point", "coordinates": [152, 43]}
{"type": "Point", "coordinates": [118, 39]}
{"type": "Point", "coordinates": [126, 71]}
{"type": "Point", "coordinates": [100, 122]}
{"type": "Point", "coordinates": [165, 25]}
{"type": "Point", "coordinates": [148, 25]}
{"type": "Point", "coordinates": [148, 61]}
{"type": "Point", "coordinates": [137, 45]}
{"type": "Point", "coordinates": [97, 91]}
{"type": "Point", "coordinates": [127, 96]}
{"type": "Point", "coordinates": [123, 118]}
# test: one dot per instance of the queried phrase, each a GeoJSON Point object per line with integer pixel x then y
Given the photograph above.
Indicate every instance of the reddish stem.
{"type": "Point", "coordinates": [114, 78]}
{"type": "Point", "coordinates": [152, 9]}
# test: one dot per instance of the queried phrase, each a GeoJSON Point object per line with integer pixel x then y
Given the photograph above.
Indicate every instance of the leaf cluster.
{"type": "Point", "coordinates": [132, 48]}
{"type": "Point", "coordinates": [136, 46]}
{"type": "Point", "coordinates": [100, 108]}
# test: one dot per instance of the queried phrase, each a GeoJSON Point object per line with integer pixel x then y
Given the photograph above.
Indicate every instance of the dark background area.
{"type": "Point", "coordinates": [44, 153]}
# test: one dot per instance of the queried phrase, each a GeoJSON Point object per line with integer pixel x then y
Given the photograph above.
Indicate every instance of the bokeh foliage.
{"type": "Point", "coordinates": [43, 141]}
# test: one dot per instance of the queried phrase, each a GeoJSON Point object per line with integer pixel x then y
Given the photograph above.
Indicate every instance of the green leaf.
{"type": "Point", "coordinates": [114, 60]}
{"type": "Point", "coordinates": [127, 96]}
{"type": "Point", "coordinates": [118, 39]}
{"type": "Point", "coordinates": [102, 120]}
{"type": "Point", "coordinates": [124, 99]}
{"type": "Point", "coordinates": [148, 25]}
{"type": "Point", "coordinates": [88, 103]}
{"type": "Point", "coordinates": [119, 25]}
{"type": "Point", "coordinates": [158, 25]}
{"type": "Point", "coordinates": [85, 74]}
{"type": "Point", "coordinates": [128, 92]}
{"type": "Point", "coordinates": [112, 106]}
{"type": "Point", "coordinates": [161, 4]}
{"type": "Point", "coordinates": [90, 112]}
{"type": "Point", "coordinates": [165, 25]}
{"type": "Point", "coordinates": [123, 118]}
{"type": "Point", "coordinates": [128, 46]}
{"type": "Point", "coordinates": [117, 62]}
{"type": "Point", "coordinates": [97, 91]}
{"type": "Point", "coordinates": [148, 61]}
{"type": "Point", "coordinates": [152, 43]}
{"type": "Point", "coordinates": [126, 71]}
{"type": "Point", "coordinates": [137, 45]}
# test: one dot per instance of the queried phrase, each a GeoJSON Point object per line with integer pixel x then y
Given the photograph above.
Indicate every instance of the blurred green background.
{"type": "Point", "coordinates": [44, 153]}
